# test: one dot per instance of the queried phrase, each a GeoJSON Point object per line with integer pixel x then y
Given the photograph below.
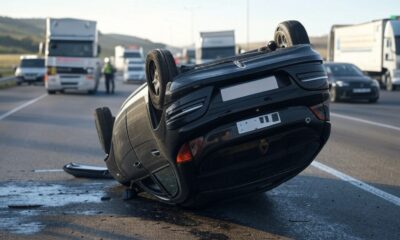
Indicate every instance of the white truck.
{"type": "Point", "coordinates": [71, 55]}
{"type": "Point", "coordinates": [124, 54]}
{"type": "Point", "coordinates": [373, 46]}
{"type": "Point", "coordinates": [134, 71]}
{"type": "Point", "coordinates": [215, 45]}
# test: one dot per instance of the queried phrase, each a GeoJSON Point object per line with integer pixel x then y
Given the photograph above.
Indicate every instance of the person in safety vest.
{"type": "Point", "coordinates": [108, 71]}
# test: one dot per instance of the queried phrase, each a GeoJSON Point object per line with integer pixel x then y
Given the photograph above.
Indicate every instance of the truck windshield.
{"type": "Point", "coordinates": [61, 48]}
{"type": "Point", "coordinates": [135, 68]}
{"type": "Point", "coordinates": [217, 53]}
{"type": "Point", "coordinates": [132, 55]}
{"type": "Point", "coordinates": [397, 40]}
{"type": "Point", "coordinates": [32, 63]}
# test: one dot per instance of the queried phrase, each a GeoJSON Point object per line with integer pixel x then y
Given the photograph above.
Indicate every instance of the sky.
{"type": "Point", "coordinates": [178, 22]}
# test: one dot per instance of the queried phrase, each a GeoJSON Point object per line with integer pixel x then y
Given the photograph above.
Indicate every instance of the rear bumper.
{"type": "Point", "coordinates": [233, 163]}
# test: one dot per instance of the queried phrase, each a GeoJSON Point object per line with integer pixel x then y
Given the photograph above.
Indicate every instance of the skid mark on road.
{"type": "Point", "coordinates": [357, 183]}
{"type": "Point", "coordinates": [21, 107]}
{"type": "Point", "coordinates": [377, 124]}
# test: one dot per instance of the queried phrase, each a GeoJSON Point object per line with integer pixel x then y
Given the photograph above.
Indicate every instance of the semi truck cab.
{"type": "Point", "coordinates": [391, 54]}
{"type": "Point", "coordinates": [71, 55]}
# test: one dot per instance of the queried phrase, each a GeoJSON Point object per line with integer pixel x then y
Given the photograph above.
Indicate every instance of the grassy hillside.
{"type": "Point", "coordinates": [24, 35]}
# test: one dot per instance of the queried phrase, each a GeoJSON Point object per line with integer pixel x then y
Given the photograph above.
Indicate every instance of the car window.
{"type": "Point", "coordinates": [343, 70]}
{"type": "Point", "coordinates": [217, 52]}
{"type": "Point", "coordinates": [32, 63]}
{"type": "Point", "coordinates": [167, 178]}
{"type": "Point", "coordinates": [135, 68]}
{"type": "Point", "coordinates": [397, 44]}
{"type": "Point", "coordinates": [132, 55]}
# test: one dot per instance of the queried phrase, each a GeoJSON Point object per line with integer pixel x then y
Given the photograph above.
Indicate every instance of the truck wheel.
{"type": "Point", "coordinates": [104, 125]}
{"type": "Point", "coordinates": [333, 95]}
{"type": "Point", "coordinates": [160, 69]}
{"type": "Point", "coordinates": [290, 33]}
{"type": "Point", "coordinates": [388, 82]}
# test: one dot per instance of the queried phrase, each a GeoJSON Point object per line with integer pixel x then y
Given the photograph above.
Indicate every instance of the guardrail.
{"type": "Point", "coordinates": [8, 81]}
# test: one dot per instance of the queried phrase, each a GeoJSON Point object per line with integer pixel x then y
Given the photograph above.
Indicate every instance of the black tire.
{"type": "Point", "coordinates": [92, 92]}
{"type": "Point", "coordinates": [104, 125]}
{"type": "Point", "coordinates": [51, 92]}
{"type": "Point", "coordinates": [388, 82]}
{"type": "Point", "coordinates": [373, 100]}
{"type": "Point", "coordinates": [290, 33]}
{"type": "Point", "coordinates": [160, 69]}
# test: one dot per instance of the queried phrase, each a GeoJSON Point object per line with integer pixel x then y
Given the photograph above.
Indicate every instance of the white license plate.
{"type": "Point", "coordinates": [249, 88]}
{"type": "Point", "coordinates": [361, 90]}
{"type": "Point", "coordinates": [259, 122]}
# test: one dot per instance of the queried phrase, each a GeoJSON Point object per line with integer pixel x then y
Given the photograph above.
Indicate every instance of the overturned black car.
{"type": "Point", "coordinates": [222, 129]}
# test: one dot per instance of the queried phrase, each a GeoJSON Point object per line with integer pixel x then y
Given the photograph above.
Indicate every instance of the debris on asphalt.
{"type": "Point", "coordinates": [128, 194]}
{"type": "Point", "coordinates": [105, 198]}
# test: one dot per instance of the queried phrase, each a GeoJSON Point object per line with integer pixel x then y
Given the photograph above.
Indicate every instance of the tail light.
{"type": "Point", "coordinates": [189, 150]}
{"type": "Point", "coordinates": [321, 111]}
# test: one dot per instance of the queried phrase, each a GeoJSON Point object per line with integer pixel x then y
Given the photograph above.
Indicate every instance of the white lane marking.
{"type": "Point", "coordinates": [355, 182]}
{"type": "Point", "coordinates": [47, 170]}
{"type": "Point", "coordinates": [366, 121]}
{"type": "Point", "coordinates": [21, 106]}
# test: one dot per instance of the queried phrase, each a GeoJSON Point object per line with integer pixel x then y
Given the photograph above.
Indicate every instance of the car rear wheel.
{"type": "Point", "coordinates": [51, 92]}
{"type": "Point", "coordinates": [290, 33]}
{"type": "Point", "coordinates": [160, 69]}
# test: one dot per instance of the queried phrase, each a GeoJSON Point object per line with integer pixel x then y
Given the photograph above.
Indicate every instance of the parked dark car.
{"type": "Point", "coordinates": [348, 82]}
{"type": "Point", "coordinates": [224, 129]}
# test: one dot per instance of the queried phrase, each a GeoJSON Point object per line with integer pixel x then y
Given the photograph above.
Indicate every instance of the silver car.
{"type": "Point", "coordinates": [31, 69]}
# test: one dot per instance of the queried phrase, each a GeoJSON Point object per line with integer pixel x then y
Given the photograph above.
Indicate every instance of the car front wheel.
{"type": "Point", "coordinates": [160, 69]}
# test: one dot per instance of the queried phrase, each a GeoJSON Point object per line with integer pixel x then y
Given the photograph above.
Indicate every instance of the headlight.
{"type": "Point", "coordinates": [342, 84]}
{"type": "Point", "coordinates": [89, 70]}
{"type": "Point", "coordinates": [375, 83]}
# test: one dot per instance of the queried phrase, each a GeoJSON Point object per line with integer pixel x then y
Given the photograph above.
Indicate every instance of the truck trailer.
{"type": "Point", "coordinates": [215, 45]}
{"type": "Point", "coordinates": [71, 55]}
{"type": "Point", "coordinates": [373, 46]}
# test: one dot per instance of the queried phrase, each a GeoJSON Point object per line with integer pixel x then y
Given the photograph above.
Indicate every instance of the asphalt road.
{"type": "Point", "coordinates": [352, 191]}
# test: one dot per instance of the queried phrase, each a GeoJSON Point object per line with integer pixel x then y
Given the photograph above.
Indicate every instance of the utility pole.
{"type": "Point", "coordinates": [247, 25]}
